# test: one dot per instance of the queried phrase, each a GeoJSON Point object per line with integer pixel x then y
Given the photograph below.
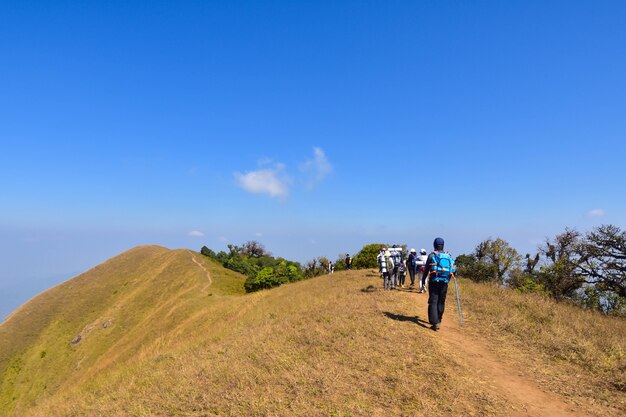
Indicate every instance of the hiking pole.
{"type": "Point", "coordinates": [458, 300]}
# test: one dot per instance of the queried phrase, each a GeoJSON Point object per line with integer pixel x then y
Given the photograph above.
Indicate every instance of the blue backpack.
{"type": "Point", "coordinates": [442, 267]}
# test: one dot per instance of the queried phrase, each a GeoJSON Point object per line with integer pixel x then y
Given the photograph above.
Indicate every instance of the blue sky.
{"type": "Point", "coordinates": [312, 127]}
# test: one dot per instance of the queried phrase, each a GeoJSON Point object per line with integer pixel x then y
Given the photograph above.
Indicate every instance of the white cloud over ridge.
{"type": "Point", "coordinates": [271, 181]}
{"type": "Point", "coordinates": [597, 212]}
{"type": "Point", "coordinates": [196, 233]}
{"type": "Point", "coordinates": [316, 169]}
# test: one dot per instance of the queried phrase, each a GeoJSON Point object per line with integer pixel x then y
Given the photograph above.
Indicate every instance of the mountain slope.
{"type": "Point", "coordinates": [106, 315]}
{"type": "Point", "coordinates": [336, 345]}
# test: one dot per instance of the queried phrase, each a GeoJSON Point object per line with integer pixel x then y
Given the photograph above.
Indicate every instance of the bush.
{"type": "Point", "coordinates": [242, 265]}
{"type": "Point", "coordinates": [366, 258]}
{"type": "Point", "coordinates": [525, 282]}
{"type": "Point", "coordinates": [286, 271]}
{"type": "Point", "coordinates": [492, 261]}
{"type": "Point", "coordinates": [264, 279]}
{"type": "Point", "coordinates": [208, 252]}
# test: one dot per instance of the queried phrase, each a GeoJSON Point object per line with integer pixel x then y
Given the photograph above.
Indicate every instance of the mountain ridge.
{"type": "Point", "coordinates": [170, 332]}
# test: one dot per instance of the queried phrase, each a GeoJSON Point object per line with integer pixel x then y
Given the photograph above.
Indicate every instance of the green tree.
{"type": "Point", "coordinates": [560, 275]}
{"type": "Point", "coordinates": [322, 263]}
{"type": "Point", "coordinates": [524, 281]}
{"type": "Point", "coordinates": [464, 264]}
{"type": "Point", "coordinates": [603, 254]}
{"type": "Point", "coordinates": [264, 279]}
{"type": "Point", "coordinates": [208, 252]}
{"type": "Point", "coordinates": [242, 265]}
{"type": "Point", "coordinates": [366, 257]}
{"type": "Point", "coordinates": [340, 263]}
{"type": "Point", "coordinates": [494, 259]}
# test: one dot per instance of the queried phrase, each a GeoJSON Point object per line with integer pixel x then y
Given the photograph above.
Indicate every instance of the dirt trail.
{"type": "Point", "coordinates": [523, 395]}
{"type": "Point", "coordinates": [208, 275]}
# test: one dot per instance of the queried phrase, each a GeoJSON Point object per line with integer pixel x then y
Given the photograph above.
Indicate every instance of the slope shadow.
{"type": "Point", "coordinates": [413, 319]}
{"type": "Point", "coordinates": [369, 288]}
{"type": "Point", "coordinates": [410, 289]}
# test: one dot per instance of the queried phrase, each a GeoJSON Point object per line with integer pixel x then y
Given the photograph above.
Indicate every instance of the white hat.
{"type": "Point", "coordinates": [422, 250]}
{"type": "Point", "coordinates": [413, 250]}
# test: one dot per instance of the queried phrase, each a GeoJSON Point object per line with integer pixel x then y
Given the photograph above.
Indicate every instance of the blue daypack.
{"type": "Point", "coordinates": [442, 267]}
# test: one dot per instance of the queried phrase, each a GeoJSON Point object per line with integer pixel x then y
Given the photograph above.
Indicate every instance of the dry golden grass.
{"type": "Point", "coordinates": [321, 347]}
{"type": "Point", "coordinates": [336, 345]}
{"type": "Point", "coordinates": [576, 353]}
{"type": "Point", "coordinates": [117, 308]}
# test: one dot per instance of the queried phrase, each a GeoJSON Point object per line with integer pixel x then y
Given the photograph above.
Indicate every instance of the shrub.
{"type": "Point", "coordinates": [366, 258]}
{"type": "Point", "coordinates": [264, 279]}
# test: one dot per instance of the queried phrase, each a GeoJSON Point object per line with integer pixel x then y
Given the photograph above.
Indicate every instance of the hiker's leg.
{"type": "Point", "coordinates": [433, 299]}
{"type": "Point", "coordinates": [441, 301]}
{"type": "Point", "coordinates": [412, 275]}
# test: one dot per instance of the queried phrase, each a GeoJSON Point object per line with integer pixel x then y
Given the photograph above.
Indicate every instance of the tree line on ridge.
{"type": "Point", "coordinates": [588, 269]}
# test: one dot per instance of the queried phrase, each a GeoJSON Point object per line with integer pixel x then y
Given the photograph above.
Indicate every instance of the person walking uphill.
{"type": "Point", "coordinates": [385, 263]}
{"type": "Point", "coordinates": [440, 266]}
{"type": "Point", "coordinates": [348, 262]}
{"type": "Point", "coordinates": [421, 267]}
{"type": "Point", "coordinates": [411, 264]}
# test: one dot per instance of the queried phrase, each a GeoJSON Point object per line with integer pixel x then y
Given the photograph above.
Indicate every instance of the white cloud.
{"type": "Point", "coordinates": [258, 234]}
{"type": "Point", "coordinates": [272, 181]}
{"type": "Point", "coordinates": [597, 212]}
{"type": "Point", "coordinates": [196, 233]}
{"type": "Point", "coordinates": [316, 169]}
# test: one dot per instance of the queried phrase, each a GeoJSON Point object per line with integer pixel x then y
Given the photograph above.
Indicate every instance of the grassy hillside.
{"type": "Point", "coordinates": [103, 317]}
{"type": "Point", "coordinates": [177, 344]}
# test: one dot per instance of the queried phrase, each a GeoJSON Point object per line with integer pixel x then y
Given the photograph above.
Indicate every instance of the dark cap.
{"type": "Point", "coordinates": [438, 243]}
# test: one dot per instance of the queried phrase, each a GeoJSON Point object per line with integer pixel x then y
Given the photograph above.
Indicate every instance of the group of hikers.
{"type": "Point", "coordinates": [433, 271]}
{"type": "Point", "coordinates": [393, 267]}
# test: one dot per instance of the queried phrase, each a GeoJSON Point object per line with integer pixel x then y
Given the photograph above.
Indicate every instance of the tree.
{"type": "Point", "coordinates": [504, 257]}
{"type": "Point", "coordinates": [603, 253]}
{"type": "Point", "coordinates": [311, 269]}
{"type": "Point", "coordinates": [561, 276]}
{"type": "Point", "coordinates": [603, 265]}
{"type": "Point", "coordinates": [494, 259]}
{"type": "Point", "coordinates": [241, 264]}
{"type": "Point", "coordinates": [531, 263]}
{"type": "Point", "coordinates": [340, 263]}
{"type": "Point", "coordinates": [464, 264]}
{"type": "Point", "coordinates": [366, 257]}
{"type": "Point", "coordinates": [264, 279]}
{"type": "Point", "coordinates": [253, 249]}
{"type": "Point", "coordinates": [208, 252]}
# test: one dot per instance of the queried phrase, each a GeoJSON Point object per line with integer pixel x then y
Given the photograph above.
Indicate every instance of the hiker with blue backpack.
{"type": "Point", "coordinates": [440, 266]}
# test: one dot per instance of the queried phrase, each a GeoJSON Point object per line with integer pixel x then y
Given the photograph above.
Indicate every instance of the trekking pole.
{"type": "Point", "coordinates": [458, 300]}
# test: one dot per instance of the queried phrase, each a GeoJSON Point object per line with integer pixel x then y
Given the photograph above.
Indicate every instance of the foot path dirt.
{"type": "Point", "coordinates": [208, 275]}
{"type": "Point", "coordinates": [524, 396]}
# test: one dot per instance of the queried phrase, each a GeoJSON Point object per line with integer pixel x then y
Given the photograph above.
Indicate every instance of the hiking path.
{"type": "Point", "coordinates": [208, 275]}
{"type": "Point", "coordinates": [523, 395]}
